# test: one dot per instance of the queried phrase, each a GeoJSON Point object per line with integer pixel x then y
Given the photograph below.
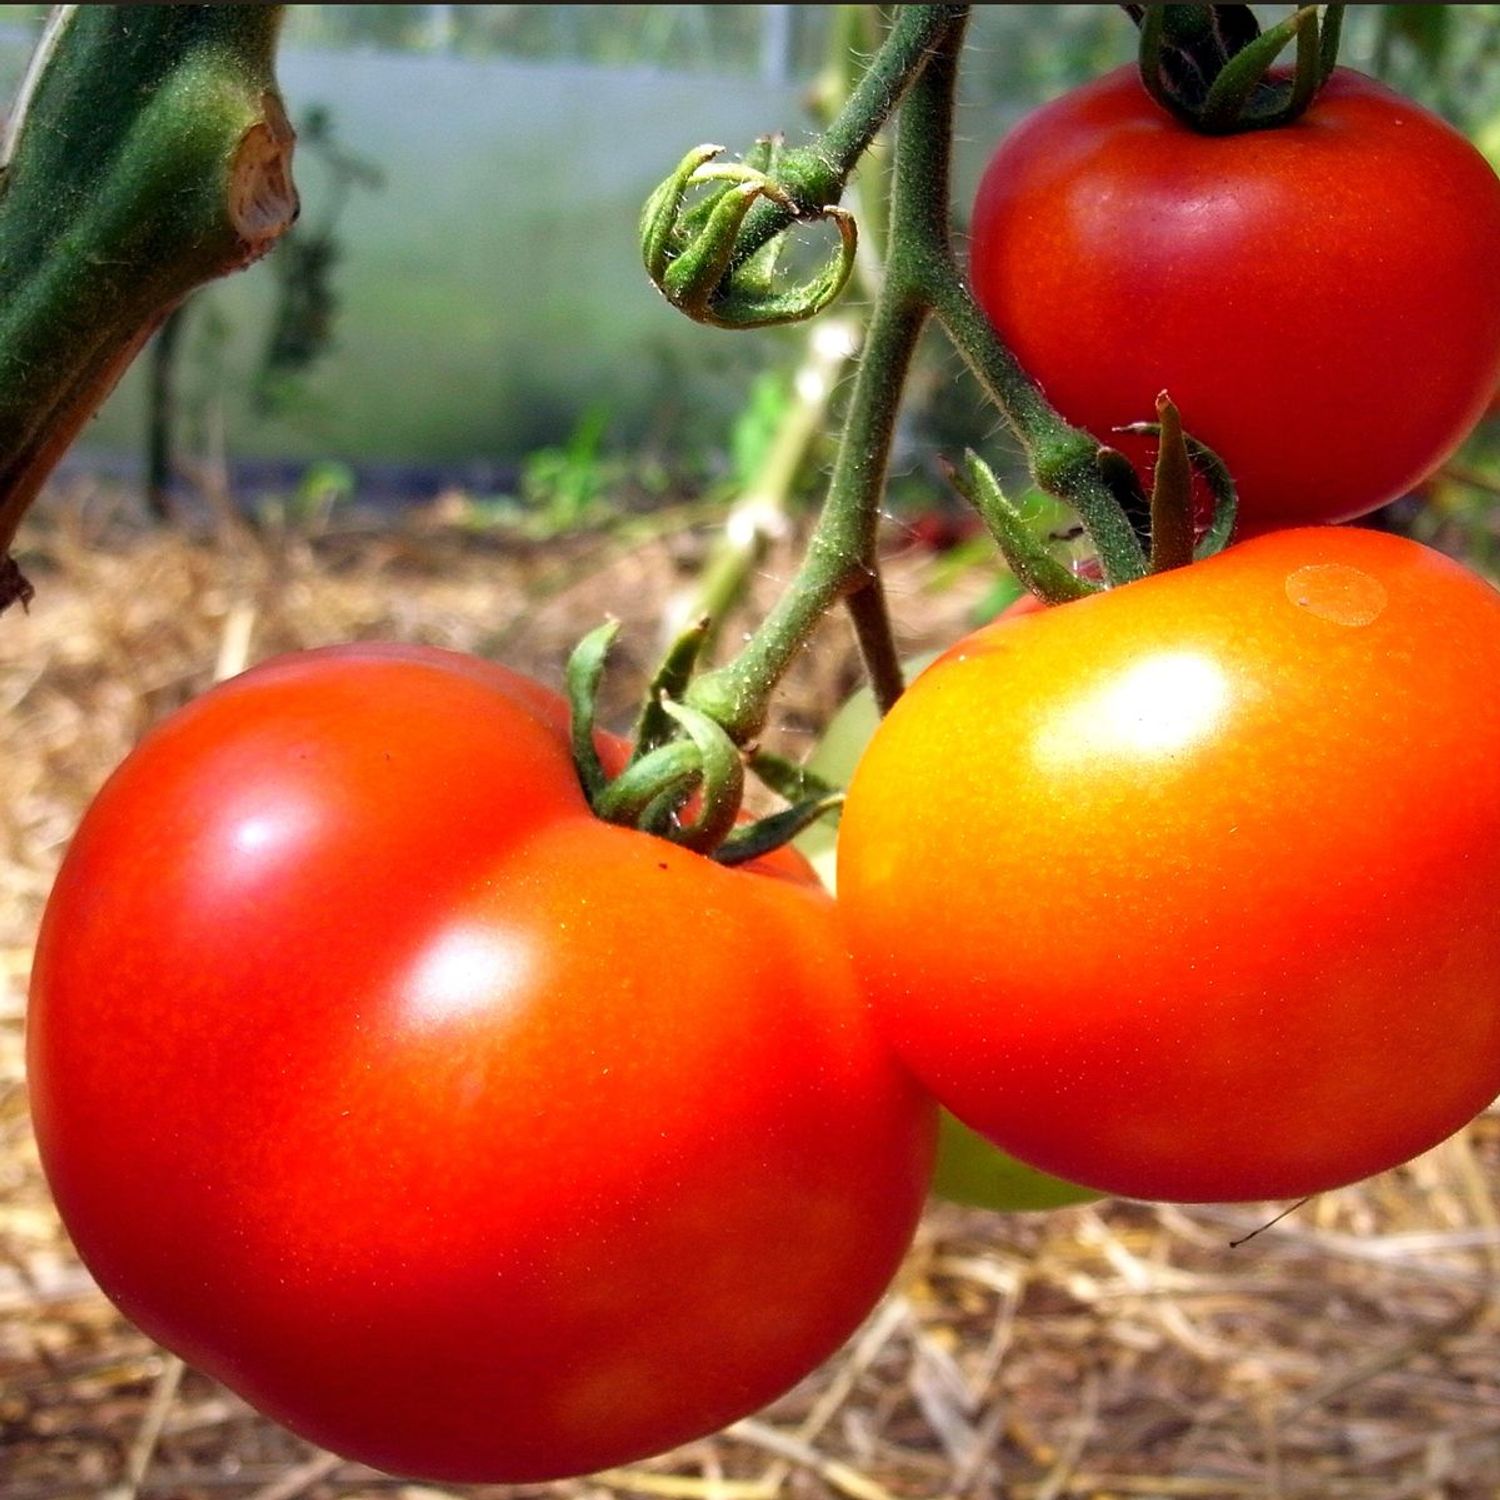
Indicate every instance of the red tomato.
{"type": "Point", "coordinates": [462, 1133]}
{"type": "Point", "coordinates": [1203, 902]}
{"type": "Point", "coordinates": [1320, 299]}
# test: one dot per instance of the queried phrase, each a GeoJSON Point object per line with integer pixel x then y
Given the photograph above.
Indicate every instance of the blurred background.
{"type": "Point", "coordinates": [450, 408]}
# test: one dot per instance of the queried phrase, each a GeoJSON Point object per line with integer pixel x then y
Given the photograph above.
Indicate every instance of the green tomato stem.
{"type": "Point", "coordinates": [877, 646]}
{"type": "Point", "coordinates": [148, 153]}
{"type": "Point", "coordinates": [840, 556]}
{"type": "Point", "coordinates": [814, 176]}
{"type": "Point", "coordinates": [1171, 493]}
{"type": "Point", "coordinates": [1064, 459]}
{"type": "Point", "coordinates": [761, 512]}
{"type": "Point", "coordinates": [921, 277]}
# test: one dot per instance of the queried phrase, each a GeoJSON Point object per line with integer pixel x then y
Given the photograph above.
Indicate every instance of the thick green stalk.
{"type": "Point", "coordinates": [761, 512]}
{"type": "Point", "coordinates": [1063, 458]}
{"type": "Point", "coordinates": [877, 642]}
{"type": "Point", "coordinates": [148, 153]}
{"type": "Point", "coordinates": [921, 276]}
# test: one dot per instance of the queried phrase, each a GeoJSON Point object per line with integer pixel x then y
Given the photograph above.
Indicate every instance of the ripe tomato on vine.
{"type": "Point", "coordinates": [459, 1131]}
{"type": "Point", "coordinates": [1188, 890]}
{"type": "Point", "coordinates": [1319, 298]}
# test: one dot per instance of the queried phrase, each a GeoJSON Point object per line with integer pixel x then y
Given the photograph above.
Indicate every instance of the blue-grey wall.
{"type": "Point", "coordinates": [492, 290]}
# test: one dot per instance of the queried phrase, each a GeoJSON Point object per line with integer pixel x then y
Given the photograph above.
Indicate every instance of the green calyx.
{"type": "Point", "coordinates": [1025, 553]}
{"type": "Point", "coordinates": [1210, 65]}
{"type": "Point", "coordinates": [1163, 523]}
{"type": "Point", "coordinates": [685, 779]}
{"type": "Point", "coordinates": [696, 255]}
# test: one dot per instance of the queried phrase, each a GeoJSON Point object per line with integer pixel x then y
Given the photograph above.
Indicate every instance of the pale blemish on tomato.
{"type": "Point", "coordinates": [1337, 592]}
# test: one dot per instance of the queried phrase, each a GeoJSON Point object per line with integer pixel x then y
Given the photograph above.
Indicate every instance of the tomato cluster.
{"type": "Point", "coordinates": [477, 1138]}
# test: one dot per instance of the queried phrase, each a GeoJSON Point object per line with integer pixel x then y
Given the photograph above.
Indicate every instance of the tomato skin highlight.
{"type": "Point", "coordinates": [1319, 299]}
{"type": "Point", "coordinates": [1191, 890]}
{"type": "Point", "coordinates": [461, 1133]}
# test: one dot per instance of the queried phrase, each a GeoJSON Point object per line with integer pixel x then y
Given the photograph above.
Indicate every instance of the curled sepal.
{"type": "Point", "coordinates": [790, 780]}
{"type": "Point", "coordinates": [646, 792]}
{"type": "Point", "coordinates": [755, 275]}
{"type": "Point", "coordinates": [721, 785]}
{"type": "Point", "coordinates": [1171, 493]}
{"type": "Point", "coordinates": [1027, 555]}
{"type": "Point", "coordinates": [659, 220]}
{"type": "Point", "coordinates": [1215, 474]}
{"type": "Point", "coordinates": [1183, 48]}
{"type": "Point", "coordinates": [581, 678]}
{"type": "Point", "coordinates": [1226, 498]}
{"type": "Point", "coordinates": [1307, 76]}
{"type": "Point", "coordinates": [767, 834]}
{"type": "Point", "coordinates": [651, 793]}
{"type": "Point", "coordinates": [655, 726]}
{"type": "Point", "coordinates": [1328, 42]}
{"type": "Point", "coordinates": [694, 255]}
{"type": "Point", "coordinates": [701, 264]}
{"type": "Point", "coordinates": [744, 304]}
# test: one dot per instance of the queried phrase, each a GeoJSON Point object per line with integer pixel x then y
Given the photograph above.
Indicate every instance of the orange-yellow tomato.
{"type": "Point", "coordinates": [1191, 890]}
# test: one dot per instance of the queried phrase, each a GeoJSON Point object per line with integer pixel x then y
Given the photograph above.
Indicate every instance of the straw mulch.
{"type": "Point", "coordinates": [1352, 1350]}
